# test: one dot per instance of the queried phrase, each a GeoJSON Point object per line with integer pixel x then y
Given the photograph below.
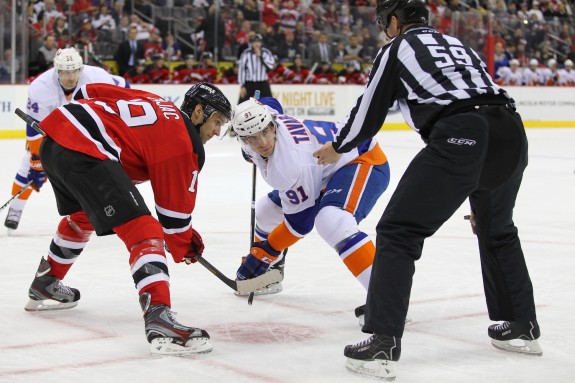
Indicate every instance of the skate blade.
{"type": "Point", "coordinates": [376, 369]}
{"type": "Point", "coordinates": [48, 305]}
{"type": "Point", "coordinates": [165, 347]}
{"type": "Point", "coordinates": [529, 347]}
{"type": "Point", "coordinates": [271, 289]}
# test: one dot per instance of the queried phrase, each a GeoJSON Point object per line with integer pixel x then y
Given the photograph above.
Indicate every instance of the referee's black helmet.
{"type": "Point", "coordinates": [406, 11]}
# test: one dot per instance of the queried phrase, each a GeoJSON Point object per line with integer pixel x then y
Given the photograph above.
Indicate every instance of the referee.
{"type": "Point", "coordinates": [255, 62]}
{"type": "Point", "coordinates": [476, 148]}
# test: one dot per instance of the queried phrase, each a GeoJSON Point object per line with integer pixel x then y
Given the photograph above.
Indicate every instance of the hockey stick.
{"type": "Point", "coordinates": [311, 72]}
{"type": "Point", "coordinates": [30, 121]}
{"type": "Point", "coordinates": [16, 195]}
{"type": "Point", "coordinates": [245, 286]}
{"type": "Point", "coordinates": [253, 205]}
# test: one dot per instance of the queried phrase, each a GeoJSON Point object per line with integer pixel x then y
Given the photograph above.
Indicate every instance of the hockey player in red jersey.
{"type": "Point", "coordinates": [95, 150]}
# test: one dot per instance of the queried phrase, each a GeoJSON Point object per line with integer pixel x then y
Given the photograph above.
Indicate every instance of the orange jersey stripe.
{"type": "Point", "coordinates": [357, 187]}
{"type": "Point", "coordinates": [360, 259]}
{"type": "Point", "coordinates": [281, 237]}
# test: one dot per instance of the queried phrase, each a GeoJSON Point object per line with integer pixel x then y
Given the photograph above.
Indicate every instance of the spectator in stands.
{"type": "Point", "coordinates": [501, 57]}
{"type": "Point", "coordinates": [250, 10]}
{"type": "Point", "coordinates": [309, 20]}
{"type": "Point", "coordinates": [354, 51]}
{"type": "Point", "coordinates": [183, 73]}
{"type": "Point", "coordinates": [104, 21]}
{"type": "Point", "coordinates": [214, 28]}
{"type": "Point", "coordinates": [159, 73]}
{"type": "Point", "coordinates": [171, 48]}
{"type": "Point", "coordinates": [324, 74]}
{"type": "Point", "coordinates": [270, 12]}
{"type": "Point", "coordinates": [289, 15]}
{"type": "Point", "coordinates": [82, 9]}
{"type": "Point", "coordinates": [6, 66]}
{"type": "Point", "coordinates": [117, 11]}
{"type": "Point", "coordinates": [230, 75]}
{"type": "Point", "coordinates": [567, 75]}
{"type": "Point", "coordinates": [339, 52]}
{"type": "Point", "coordinates": [86, 30]}
{"type": "Point", "coordinates": [351, 74]}
{"type": "Point", "coordinates": [535, 12]}
{"type": "Point", "coordinates": [51, 11]}
{"type": "Point", "coordinates": [60, 29]}
{"type": "Point", "coordinates": [153, 45]}
{"type": "Point", "coordinates": [242, 37]}
{"type": "Point", "coordinates": [320, 51]}
{"type": "Point", "coordinates": [288, 47]}
{"type": "Point", "coordinates": [129, 51]}
{"type": "Point", "coordinates": [137, 74]}
{"type": "Point", "coordinates": [46, 53]}
{"type": "Point", "coordinates": [142, 27]}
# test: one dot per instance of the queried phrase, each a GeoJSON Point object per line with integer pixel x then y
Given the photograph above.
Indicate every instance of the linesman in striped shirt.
{"type": "Point", "coordinates": [476, 148]}
{"type": "Point", "coordinates": [255, 63]}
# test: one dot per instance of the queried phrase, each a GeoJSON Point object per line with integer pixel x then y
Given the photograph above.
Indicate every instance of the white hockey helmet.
{"type": "Point", "coordinates": [68, 59]}
{"type": "Point", "coordinates": [568, 63]}
{"type": "Point", "coordinates": [514, 62]}
{"type": "Point", "coordinates": [551, 62]}
{"type": "Point", "coordinates": [250, 117]}
{"type": "Point", "coordinates": [533, 62]}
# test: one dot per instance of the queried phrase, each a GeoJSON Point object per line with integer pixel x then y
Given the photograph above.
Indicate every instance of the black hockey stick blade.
{"type": "Point", "coordinates": [246, 286]}
{"type": "Point", "coordinates": [30, 121]}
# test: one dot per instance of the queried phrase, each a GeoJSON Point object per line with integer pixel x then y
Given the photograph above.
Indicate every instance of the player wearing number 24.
{"type": "Point", "coordinates": [334, 198]}
{"type": "Point", "coordinates": [96, 149]}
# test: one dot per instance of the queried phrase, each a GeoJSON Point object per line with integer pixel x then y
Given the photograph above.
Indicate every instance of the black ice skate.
{"type": "Point", "coordinates": [167, 336]}
{"type": "Point", "coordinates": [374, 357]}
{"type": "Point", "coordinates": [48, 293]}
{"type": "Point", "coordinates": [516, 337]}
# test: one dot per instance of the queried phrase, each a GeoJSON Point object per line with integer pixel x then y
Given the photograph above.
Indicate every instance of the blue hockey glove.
{"type": "Point", "coordinates": [36, 173]}
{"type": "Point", "coordinates": [258, 261]}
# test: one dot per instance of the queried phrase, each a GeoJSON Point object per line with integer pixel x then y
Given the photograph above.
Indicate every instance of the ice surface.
{"type": "Point", "coordinates": [299, 334]}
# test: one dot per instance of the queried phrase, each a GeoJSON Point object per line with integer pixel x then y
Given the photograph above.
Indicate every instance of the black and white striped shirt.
{"type": "Point", "coordinates": [424, 71]}
{"type": "Point", "coordinates": [255, 68]}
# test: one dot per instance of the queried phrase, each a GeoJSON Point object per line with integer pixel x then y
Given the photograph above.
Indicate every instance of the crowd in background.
{"type": "Point", "coordinates": [314, 41]}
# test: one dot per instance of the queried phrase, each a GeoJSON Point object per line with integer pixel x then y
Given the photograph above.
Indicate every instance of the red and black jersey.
{"type": "Point", "coordinates": [324, 77]}
{"type": "Point", "coordinates": [149, 137]}
{"type": "Point", "coordinates": [205, 73]}
{"type": "Point", "coordinates": [158, 75]}
{"type": "Point", "coordinates": [298, 75]}
{"type": "Point", "coordinates": [229, 76]}
{"type": "Point", "coordinates": [280, 74]}
{"type": "Point", "coordinates": [133, 77]}
{"type": "Point", "coordinates": [182, 74]}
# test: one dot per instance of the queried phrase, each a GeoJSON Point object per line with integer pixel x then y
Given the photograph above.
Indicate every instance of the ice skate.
{"type": "Point", "coordinates": [274, 288]}
{"type": "Point", "coordinates": [374, 357]}
{"type": "Point", "coordinates": [168, 337]}
{"type": "Point", "coordinates": [12, 219]}
{"type": "Point", "coordinates": [49, 293]}
{"type": "Point", "coordinates": [360, 315]}
{"type": "Point", "coordinates": [516, 337]}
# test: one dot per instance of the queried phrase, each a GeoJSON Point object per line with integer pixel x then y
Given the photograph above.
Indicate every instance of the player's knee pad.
{"type": "Point", "coordinates": [334, 224]}
{"type": "Point", "coordinates": [138, 230]}
{"type": "Point", "coordinates": [268, 216]}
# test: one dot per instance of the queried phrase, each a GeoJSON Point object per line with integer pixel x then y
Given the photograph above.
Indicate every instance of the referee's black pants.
{"type": "Point", "coordinates": [480, 154]}
{"type": "Point", "coordinates": [252, 86]}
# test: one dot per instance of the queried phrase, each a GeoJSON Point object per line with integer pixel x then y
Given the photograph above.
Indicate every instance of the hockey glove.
{"type": "Point", "coordinates": [36, 173]}
{"type": "Point", "coordinates": [196, 248]}
{"type": "Point", "coordinates": [258, 261]}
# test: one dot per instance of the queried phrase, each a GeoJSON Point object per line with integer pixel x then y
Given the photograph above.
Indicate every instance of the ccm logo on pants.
{"type": "Point", "coordinates": [461, 141]}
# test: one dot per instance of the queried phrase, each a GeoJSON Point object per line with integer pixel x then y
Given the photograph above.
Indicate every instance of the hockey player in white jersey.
{"type": "Point", "coordinates": [511, 75]}
{"type": "Point", "coordinates": [47, 92]}
{"type": "Point", "coordinates": [334, 198]}
{"type": "Point", "coordinates": [567, 74]}
{"type": "Point", "coordinates": [532, 74]}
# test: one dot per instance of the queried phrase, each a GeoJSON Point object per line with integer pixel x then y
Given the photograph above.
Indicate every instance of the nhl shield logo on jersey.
{"type": "Point", "coordinates": [109, 210]}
